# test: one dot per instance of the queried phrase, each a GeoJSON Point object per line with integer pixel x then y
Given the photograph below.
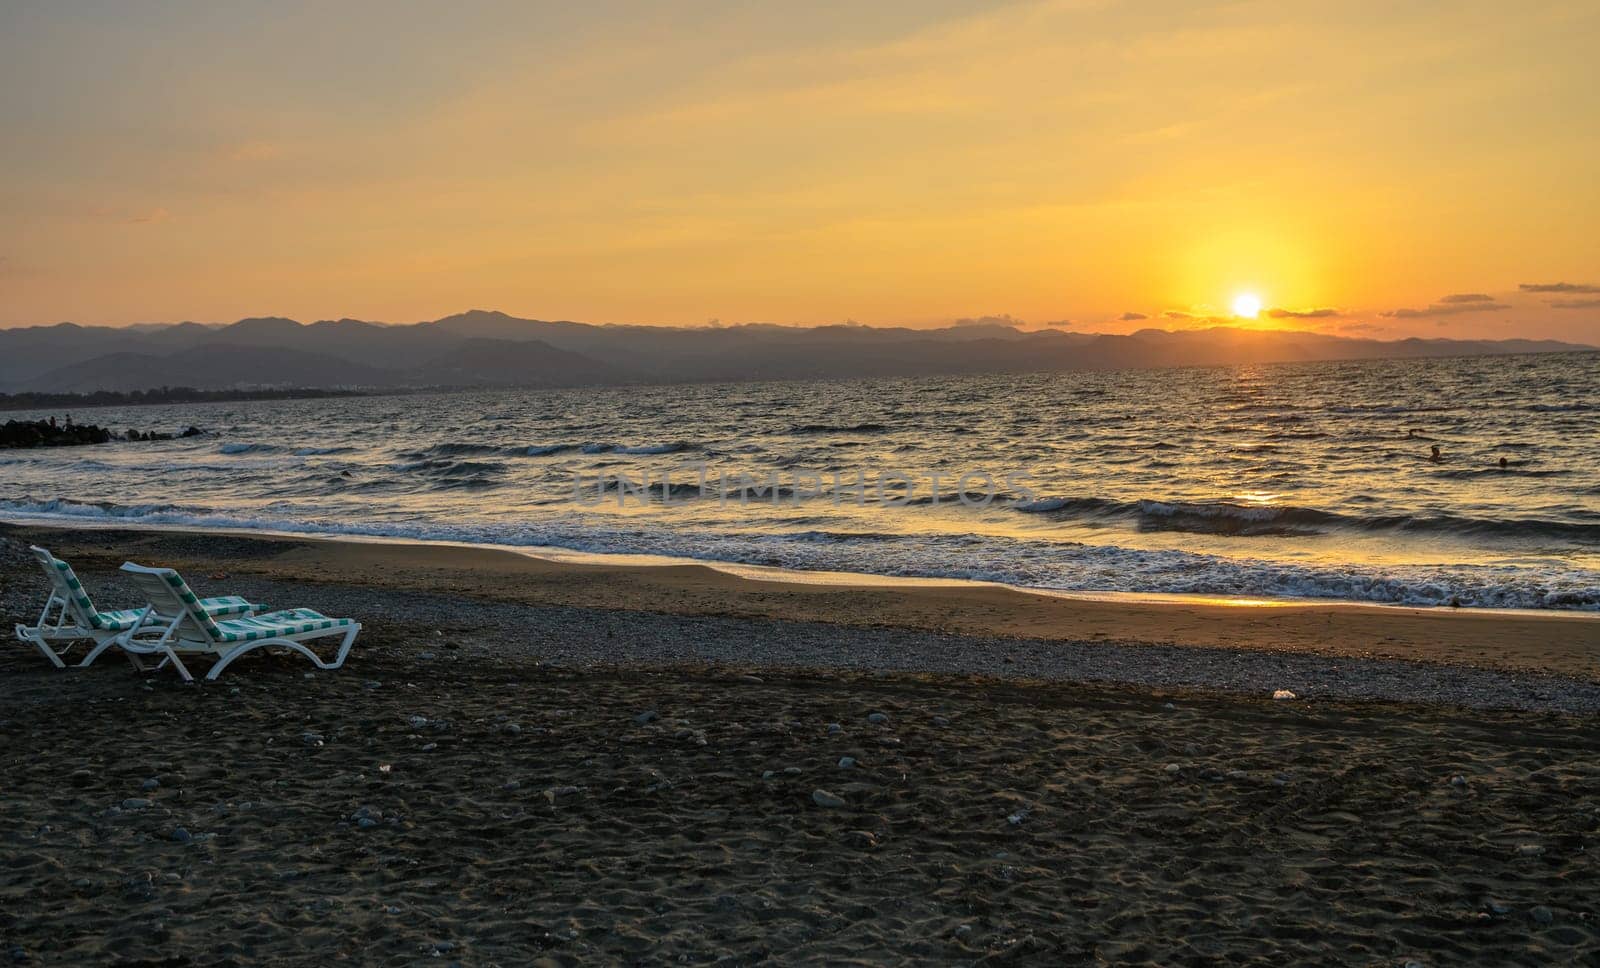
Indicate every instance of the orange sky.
{"type": "Point", "coordinates": [908, 163]}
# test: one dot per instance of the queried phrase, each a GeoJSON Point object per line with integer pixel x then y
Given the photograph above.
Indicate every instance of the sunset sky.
{"type": "Point", "coordinates": [1403, 168]}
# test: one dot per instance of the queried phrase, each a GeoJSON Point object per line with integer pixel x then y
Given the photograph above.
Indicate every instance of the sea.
{"type": "Point", "coordinates": [1284, 481]}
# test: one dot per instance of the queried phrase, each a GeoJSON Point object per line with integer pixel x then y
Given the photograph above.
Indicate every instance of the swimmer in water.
{"type": "Point", "coordinates": [1503, 463]}
{"type": "Point", "coordinates": [1436, 457]}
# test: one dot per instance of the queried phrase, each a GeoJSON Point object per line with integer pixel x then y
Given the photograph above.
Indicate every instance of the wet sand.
{"type": "Point", "coordinates": [1558, 643]}
{"type": "Point", "coordinates": [517, 776]}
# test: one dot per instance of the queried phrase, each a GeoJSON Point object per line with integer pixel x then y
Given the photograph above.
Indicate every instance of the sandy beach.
{"type": "Point", "coordinates": [531, 762]}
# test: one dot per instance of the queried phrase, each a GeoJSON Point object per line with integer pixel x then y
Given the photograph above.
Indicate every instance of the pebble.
{"type": "Point", "coordinates": [847, 762]}
{"type": "Point", "coordinates": [1282, 694]}
{"type": "Point", "coordinates": [560, 791]}
{"type": "Point", "coordinates": [879, 718]}
{"type": "Point", "coordinates": [311, 739]}
{"type": "Point", "coordinates": [792, 770]}
{"type": "Point", "coordinates": [769, 774]}
{"type": "Point", "coordinates": [1173, 768]}
{"type": "Point", "coordinates": [823, 798]}
{"type": "Point", "coordinates": [135, 803]}
{"type": "Point", "coordinates": [647, 717]}
{"type": "Point", "coordinates": [511, 729]}
{"type": "Point", "coordinates": [861, 838]}
{"type": "Point", "coordinates": [426, 656]}
{"type": "Point", "coordinates": [365, 813]}
{"type": "Point", "coordinates": [754, 680]}
{"type": "Point", "coordinates": [834, 729]}
{"type": "Point", "coordinates": [1530, 850]}
{"type": "Point", "coordinates": [1497, 907]}
{"type": "Point", "coordinates": [19, 953]}
{"type": "Point", "coordinates": [429, 748]}
{"type": "Point", "coordinates": [1542, 915]}
{"type": "Point", "coordinates": [182, 836]}
{"type": "Point", "coordinates": [417, 722]}
{"type": "Point", "coordinates": [1169, 707]}
{"type": "Point", "coordinates": [150, 784]}
{"type": "Point", "coordinates": [511, 786]}
{"type": "Point", "coordinates": [940, 721]}
{"type": "Point", "coordinates": [372, 684]}
{"type": "Point", "coordinates": [1458, 781]}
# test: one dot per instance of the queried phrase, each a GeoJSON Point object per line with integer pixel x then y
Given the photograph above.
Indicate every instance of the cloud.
{"type": "Point", "coordinates": [1556, 287]}
{"type": "Point", "coordinates": [1197, 320]}
{"type": "Point", "coordinates": [154, 215]}
{"type": "Point", "coordinates": [1004, 319]}
{"type": "Point", "coordinates": [1303, 313]}
{"type": "Point", "coordinates": [1060, 323]}
{"type": "Point", "coordinates": [1575, 304]}
{"type": "Point", "coordinates": [1361, 327]}
{"type": "Point", "coordinates": [1132, 317]}
{"type": "Point", "coordinates": [1450, 306]}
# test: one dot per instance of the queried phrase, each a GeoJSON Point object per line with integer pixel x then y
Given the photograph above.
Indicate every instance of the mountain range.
{"type": "Point", "coordinates": [483, 348]}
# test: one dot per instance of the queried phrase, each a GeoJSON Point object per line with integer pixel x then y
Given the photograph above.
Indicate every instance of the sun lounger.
{"type": "Point", "coordinates": [176, 624]}
{"type": "Point", "coordinates": [69, 615]}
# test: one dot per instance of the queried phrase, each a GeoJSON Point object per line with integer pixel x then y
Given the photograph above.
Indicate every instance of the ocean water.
{"type": "Point", "coordinates": [1297, 480]}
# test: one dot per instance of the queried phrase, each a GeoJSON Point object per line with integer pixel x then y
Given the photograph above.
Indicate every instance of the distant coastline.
{"type": "Point", "coordinates": [492, 349]}
{"type": "Point", "coordinates": [162, 395]}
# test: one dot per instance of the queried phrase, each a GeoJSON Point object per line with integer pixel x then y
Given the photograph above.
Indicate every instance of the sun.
{"type": "Point", "coordinates": [1247, 305]}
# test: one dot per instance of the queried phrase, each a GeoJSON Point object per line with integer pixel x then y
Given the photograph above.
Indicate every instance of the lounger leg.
{"type": "Point", "coordinates": [95, 652]}
{"type": "Point", "coordinates": [33, 638]}
{"type": "Point", "coordinates": [177, 663]}
{"type": "Point", "coordinates": [344, 648]}
{"type": "Point", "coordinates": [226, 660]}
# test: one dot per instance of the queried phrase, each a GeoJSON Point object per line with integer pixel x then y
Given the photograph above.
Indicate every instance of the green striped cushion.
{"type": "Point", "coordinates": [192, 602]}
{"type": "Point", "coordinates": [80, 597]}
{"type": "Point", "coordinates": [224, 606]}
{"type": "Point", "coordinates": [290, 621]}
{"type": "Point", "coordinates": [227, 606]}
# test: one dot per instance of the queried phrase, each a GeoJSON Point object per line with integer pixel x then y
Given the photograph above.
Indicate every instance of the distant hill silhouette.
{"type": "Point", "coordinates": [483, 348]}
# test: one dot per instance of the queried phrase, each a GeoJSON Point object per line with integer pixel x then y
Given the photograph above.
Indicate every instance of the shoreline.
{"type": "Point", "coordinates": [556, 554]}
{"type": "Point", "coordinates": [758, 572]}
{"type": "Point", "coordinates": [1554, 644]}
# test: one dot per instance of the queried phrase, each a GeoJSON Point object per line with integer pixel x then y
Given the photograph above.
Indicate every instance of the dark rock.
{"type": "Point", "coordinates": [48, 433]}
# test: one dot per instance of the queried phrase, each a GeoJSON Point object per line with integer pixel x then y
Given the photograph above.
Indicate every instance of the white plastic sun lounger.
{"type": "Point", "coordinates": [70, 617]}
{"type": "Point", "coordinates": [176, 624]}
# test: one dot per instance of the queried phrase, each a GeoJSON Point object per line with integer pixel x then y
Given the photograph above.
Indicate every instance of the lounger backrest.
{"type": "Point", "coordinates": [69, 588]}
{"type": "Point", "coordinates": [171, 599]}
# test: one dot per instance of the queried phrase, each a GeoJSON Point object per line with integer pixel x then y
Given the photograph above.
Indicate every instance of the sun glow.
{"type": "Point", "coordinates": [1247, 305]}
